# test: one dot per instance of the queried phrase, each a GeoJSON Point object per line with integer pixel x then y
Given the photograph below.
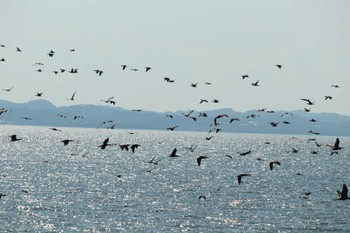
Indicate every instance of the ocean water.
{"type": "Point", "coordinates": [50, 187]}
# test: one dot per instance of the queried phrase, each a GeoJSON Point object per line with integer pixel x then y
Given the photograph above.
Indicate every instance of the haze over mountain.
{"type": "Point", "coordinates": [44, 113]}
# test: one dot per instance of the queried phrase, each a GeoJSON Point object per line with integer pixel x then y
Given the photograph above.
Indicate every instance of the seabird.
{"type": "Point", "coordinates": [66, 141]}
{"type": "Point", "coordinates": [104, 144]}
{"type": "Point", "coordinates": [256, 84]}
{"type": "Point", "coordinates": [273, 162]}
{"type": "Point", "coordinates": [279, 66]}
{"type": "Point", "coordinates": [239, 177]}
{"type": "Point", "coordinates": [199, 159]}
{"type": "Point", "coordinates": [14, 138]}
{"type": "Point", "coordinates": [173, 153]}
{"type": "Point", "coordinates": [343, 195]}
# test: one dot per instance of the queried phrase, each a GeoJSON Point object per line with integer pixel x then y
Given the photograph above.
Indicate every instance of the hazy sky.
{"type": "Point", "coordinates": [188, 41]}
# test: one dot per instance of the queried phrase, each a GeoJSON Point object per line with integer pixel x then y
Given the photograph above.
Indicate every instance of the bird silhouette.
{"type": "Point", "coordinates": [328, 97]}
{"type": "Point", "coordinates": [336, 145]}
{"type": "Point", "coordinates": [105, 144]}
{"type": "Point", "coordinates": [279, 66]}
{"type": "Point", "coordinates": [147, 68]}
{"type": "Point", "coordinates": [172, 128]}
{"type": "Point", "coordinates": [2, 195]}
{"type": "Point", "coordinates": [39, 94]}
{"type": "Point", "coordinates": [14, 138]}
{"type": "Point", "coordinates": [72, 98]}
{"type": "Point", "coordinates": [124, 66]}
{"type": "Point", "coordinates": [8, 89]}
{"type": "Point", "coordinates": [343, 195]}
{"type": "Point", "coordinates": [173, 153]}
{"type": "Point", "coordinates": [169, 80]}
{"type": "Point", "coordinates": [134, 146]}
{"type": "Point", "coordinates": [99, 72]}
{"type": "Point", "coordinates": [18, 49]}
{"type": "Point", "coordinates": [245, 153]}
{"type": "Point", "coordinates": [194, 84]}
{"type": "Point", "coordinates": [245, 76]}
{"type": "Point", "coordinates": [239, 177]}
{"type": "Point", "coordinates": [66, 141]}
{"type": "Point", "coordinates": [272, 163]}
{"type": "Point", "coordinates": [256, 84]}
{"type": "Point", "coordinates": [308, 102]}
{"type": "Point", "coordinates": [199, 159]}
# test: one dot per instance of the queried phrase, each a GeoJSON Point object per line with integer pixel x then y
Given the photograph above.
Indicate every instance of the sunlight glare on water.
{"type": "Point", "coordinates": [50, 187]}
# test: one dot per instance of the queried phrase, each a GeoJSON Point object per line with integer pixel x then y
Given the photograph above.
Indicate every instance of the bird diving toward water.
{"type": "Point", "coordinates": [199, 159]}
{"type": "Point", "coordinates": [343, 195]}
{"type": "Point", "coordinates": [239, 177]}
{"type": "Point", "coordinates": [14, 138]}
{"type": "Point", "coordinates": [272, 163]}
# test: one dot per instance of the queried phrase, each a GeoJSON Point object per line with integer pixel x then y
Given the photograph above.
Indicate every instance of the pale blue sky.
{"type": "Point", "coordinates": [189, 41]}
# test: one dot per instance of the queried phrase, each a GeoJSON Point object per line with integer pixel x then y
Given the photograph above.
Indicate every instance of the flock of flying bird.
{"type": "Point", "coordinates": [343, 195]}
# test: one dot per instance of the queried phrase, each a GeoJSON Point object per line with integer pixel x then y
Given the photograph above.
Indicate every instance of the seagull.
{"type": "Point", "coordinates": [239, 177]}
{"type": "Point", "coordinates": [194, 84]}
{"type": "Point", "coordinates": [39, 94]}
{"type": "Point", "coordinates": [14, 138]}
{"type": "Point", "coordinates": [124, 66]}
{"type": "Point", "coordinates": [245, 76]}
{"type": "Point", "coordinates": [328, 97]}
{"type": "Point", "coordinates": [203, 100]}
{"type": "Point", "coordinates": [335, 86]}
{"type": "Point", "coordinates": [199, 159]}
{"type": "Point", "coordinates": [256, 84]}
{"type": "Point", "coordinates": [55, 129]}
{"type": "Point", "coordinates": [279, 66]}
{"type": "Point", "coordinates": [343, 195]}
{"type": "Point", "coordinates": [147, 68]}
{"type": "Point", "coordinates": [273, 162]}
{"type": "Point", "coordinates": [173, 153]}
{"type": "Point", "coordinates": [18, 50]}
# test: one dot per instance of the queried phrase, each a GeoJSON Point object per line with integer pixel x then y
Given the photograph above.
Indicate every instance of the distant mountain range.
{"type": "Point", "coordinates": [43, 113]}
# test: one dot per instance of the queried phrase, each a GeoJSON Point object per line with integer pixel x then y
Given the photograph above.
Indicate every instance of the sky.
{"type": "Point", "coordinates": [187, 41]}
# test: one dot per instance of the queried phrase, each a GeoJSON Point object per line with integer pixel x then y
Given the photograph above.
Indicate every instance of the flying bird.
{"type": "Point", "coordinates": [279, 66]}
{"type": "Point", "coordinates": [105, 144]}
{"type": "Point", "coordinates": [99, 72]}
{"type": "Point", "coordinates": [328, 97]}
{"type": "Point", "coordinates": [245, 76]}
{"type": "Point", "coordinates": [18, 49]}
{"type": "Point", "coordinates": [8, 89]}
{"type": "Point", "coordinates": [66, 141]}
{"type": "Point", "coordinates": [239, 177]}
{"type": "Point", "coordinates": [256, 84]}
{"type": "Point", "coordinates": [343, 195]}
{"type": "Point", "coordinates": [147, 68]}
{"type": "Point", "coordinates": [272, 163]}
{"type": "Point", "coordinates": [199, 159]}
{"type": "Point", "coordinates": [72, 98]}
{"type": "Point", "coordinates": [336, 145]}
{"type": "Point", "coordinates": [173, 153]}
{"type": "Point", "coordinates": [308, 102]}
{"type": "Point", "coordinates": [14, 138]}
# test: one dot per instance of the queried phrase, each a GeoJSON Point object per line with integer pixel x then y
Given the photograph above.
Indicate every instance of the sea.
{"type": "Point", "coordinates": [46, 186]}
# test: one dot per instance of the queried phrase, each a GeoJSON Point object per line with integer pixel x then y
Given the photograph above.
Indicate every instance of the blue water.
{"type": "Point", "coordinates": [50, 187]}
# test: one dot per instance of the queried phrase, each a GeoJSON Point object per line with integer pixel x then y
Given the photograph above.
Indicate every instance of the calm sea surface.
{"type": "Point", "coordinates": [50, 187]}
